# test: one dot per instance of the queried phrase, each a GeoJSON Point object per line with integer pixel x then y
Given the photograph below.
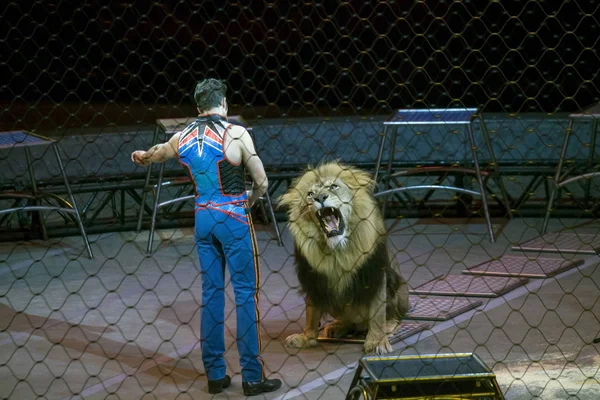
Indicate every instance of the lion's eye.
{"type": "Point", "coordinates": [333, 187]}
{"type": "Point", "coordinates": [311, 194]}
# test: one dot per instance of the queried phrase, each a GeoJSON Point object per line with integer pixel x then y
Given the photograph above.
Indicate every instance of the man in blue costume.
{"type": "Point", "coordinates": [215, 152]}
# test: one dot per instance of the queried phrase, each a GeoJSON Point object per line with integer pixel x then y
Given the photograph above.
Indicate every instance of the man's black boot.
{"type": "Point", "coordinates": [218, 385]}
{"type": "Point", "coordinates": [265, 386]}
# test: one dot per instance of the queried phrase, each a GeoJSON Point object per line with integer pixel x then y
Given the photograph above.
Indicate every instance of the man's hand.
{"type": "Point", "coordinates": [139, 157]}
{"type": "Point", "coordinates": [251, 198]}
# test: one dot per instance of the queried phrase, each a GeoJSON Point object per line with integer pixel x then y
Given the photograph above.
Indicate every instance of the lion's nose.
{"type": "Point", "coordinates": [321, 198]}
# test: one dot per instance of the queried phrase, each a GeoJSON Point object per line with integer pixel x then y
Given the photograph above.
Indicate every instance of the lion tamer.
{"type": "Point", "coordinates": [342, 258]}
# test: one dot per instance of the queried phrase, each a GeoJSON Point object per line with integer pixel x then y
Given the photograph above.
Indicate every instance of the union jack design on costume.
{"type": "Point", "coordinates": [217, 181]}
{"type": "Point", "coordinates": [213, 139]}
{"type": "Point", "coordinates": [187, 138]}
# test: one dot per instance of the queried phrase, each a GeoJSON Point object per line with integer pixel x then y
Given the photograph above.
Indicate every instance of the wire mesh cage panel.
{"type": "Point", "coordinates": [492, 252]}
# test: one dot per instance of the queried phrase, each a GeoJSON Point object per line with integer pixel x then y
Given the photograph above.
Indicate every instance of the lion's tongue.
{"type": "Point", "coordinates": [332, 223]}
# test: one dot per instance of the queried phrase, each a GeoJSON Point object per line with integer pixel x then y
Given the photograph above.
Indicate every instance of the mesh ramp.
{"type": "Point", "coordinates": [562, 242]}
{"type": "Point", "coordinates": [469, 285]}
{"type": "Point", "coordinates": [516, 266]}
{"type": "Point", "coordinates": [439, 308]}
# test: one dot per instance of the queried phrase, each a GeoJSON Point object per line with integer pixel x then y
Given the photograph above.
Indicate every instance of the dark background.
{"type": "Point", "coordinates": [291, 58]}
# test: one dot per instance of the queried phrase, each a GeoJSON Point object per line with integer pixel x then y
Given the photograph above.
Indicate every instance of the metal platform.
{"type": "Point", "coordinates": [588, 115]}
{"type": "Point", "coordinates": [515, 266]}
{"type": "Point", "coordinates": [451, 117]}
{"type": "Point", "coordinates": [11, 139]}
{"type": "Point", "coordinates": [439, 308]}
{"type": "Point", "coordinates": [34, 200]}
{"type": "Point", "coordinates": [433, 116]}
{"type": "Point", "coordinates": [407, 329]}
{"type": "Point", "coordinates": [562, 242]}
{"type": "Point", "coordinates": [469, 285]}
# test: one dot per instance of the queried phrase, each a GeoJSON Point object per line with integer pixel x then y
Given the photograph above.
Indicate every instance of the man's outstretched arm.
{"type": "Point", "coordinates": [158, 153]}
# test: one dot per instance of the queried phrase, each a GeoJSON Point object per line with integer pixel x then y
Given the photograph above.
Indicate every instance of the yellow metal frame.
{"type": "Point", "coordinates": [488, 374]}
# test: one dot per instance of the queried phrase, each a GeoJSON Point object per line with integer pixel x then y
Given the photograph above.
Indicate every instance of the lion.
{"type": "Point", "coordinates": [342, 259]}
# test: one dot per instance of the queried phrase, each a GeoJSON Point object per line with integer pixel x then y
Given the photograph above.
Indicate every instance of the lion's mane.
{"type": "Point", "coordinates": [365, 226]}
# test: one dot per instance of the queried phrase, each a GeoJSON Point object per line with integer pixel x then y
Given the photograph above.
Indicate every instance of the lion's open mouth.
{"type": "Point", "coordinates": [331, 221]}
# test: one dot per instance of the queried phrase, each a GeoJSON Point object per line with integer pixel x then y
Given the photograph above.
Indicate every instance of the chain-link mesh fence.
{"type": "Point", "coordinates": [86, 84]}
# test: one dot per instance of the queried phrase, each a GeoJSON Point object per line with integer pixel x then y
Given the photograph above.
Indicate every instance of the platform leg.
{"type": "Point", "coordinates": [505, 200]}
{"type": "Point", "coordinates": [389, 171]}
{"type": "Point", "coordinates": [155, 208]}
{"type": "Point", "coordinates": [591, 157]}
{"type": "Point", "coordinates": [73, 202]}
{"type": "Point", "coordinates": [355, 389]}
{"type": "Point", "coordinates": [272, 213]}
{"type": "Point", "coordinates": [486, 210]}
{"type": "Point", "coordinates": [555, 188]}
{"type": "Point", "coordinates": [146, 184]}
{"type": "Point", "coordinates": [380, 153]}
{"type": "Point", "coordinates": [35, 192]}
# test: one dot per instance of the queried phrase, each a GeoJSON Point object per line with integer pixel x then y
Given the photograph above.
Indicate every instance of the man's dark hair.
{"type": "Point", "coordinates": [209, 93]}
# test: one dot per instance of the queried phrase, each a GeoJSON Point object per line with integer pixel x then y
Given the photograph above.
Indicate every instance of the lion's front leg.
{"type": "Point", "coordinates": [377, 341]}
{"type": "Point", "coordinates": [308, 338]}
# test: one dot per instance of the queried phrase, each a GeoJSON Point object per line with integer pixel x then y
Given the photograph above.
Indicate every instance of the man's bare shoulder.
{"type": "Point", "coordinates": [237, 131]}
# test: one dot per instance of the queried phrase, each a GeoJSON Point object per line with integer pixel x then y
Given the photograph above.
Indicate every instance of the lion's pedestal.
{"type": "Point", "coordinates": [406, 329]}
{"type": "Point", "coordinates": [439, 376]}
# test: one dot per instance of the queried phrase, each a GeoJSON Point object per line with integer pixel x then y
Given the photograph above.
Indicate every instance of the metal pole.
{"type": "Point", "coordinates": [355, 382]}
{"type": "Point", "coordinates": [268, 197]}
{"type": "Point", "coordinates": [555, 183]}
{"type": "Point", "coordinates": [486, 211]}
{"type": "Point", "coordinates": [488, 142]}
{"type": "Point", "coordinates": [380, 153]}
{"type": "Point", "coordinates": [591, 157]}
{"type": "Point", "coordinates": [35, 192]}
{"type": "Point", "coordinates": [145, 191]}
{"type": "Point", "coordinates": [155, 208]}
{"type": "Point", "coordinates": [122, 216]}
{"type": "Point", "coordinates": [72, 198]}
{"type": "Point", "coordinates": [389, 170]}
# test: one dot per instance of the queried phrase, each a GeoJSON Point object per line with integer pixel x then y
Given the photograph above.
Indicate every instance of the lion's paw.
{"type": "Point", "coordinates": [300, 340]}
{"type": "Point", "coordinates": [378, 346]}
{"type": "Point", "coordinates": [336, 329]}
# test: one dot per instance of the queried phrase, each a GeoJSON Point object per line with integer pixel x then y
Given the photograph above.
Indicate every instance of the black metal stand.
{"type": "Point", "coordinates": [432, 117]}
{"type": "Point", "coordinates": [592, 115]}
{"type": "Point", "coordinates": [26, 140]}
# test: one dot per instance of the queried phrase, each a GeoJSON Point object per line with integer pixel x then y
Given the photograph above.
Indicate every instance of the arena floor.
{"type": "Point", "coordinates": [126, 325]}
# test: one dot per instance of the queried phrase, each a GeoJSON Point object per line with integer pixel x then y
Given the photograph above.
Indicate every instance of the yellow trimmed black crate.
{"type": "Point", "coordinates": [433, 376]}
